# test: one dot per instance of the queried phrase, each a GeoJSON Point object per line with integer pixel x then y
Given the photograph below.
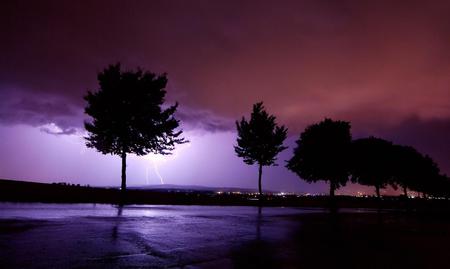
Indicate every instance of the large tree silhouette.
{"type": "Point", "coordinates": [128, 116]}
{"type": "Point", "coordinates": [372, 162]}
{"type": "Point", "coordinates": [322, 153]}
{"type": "Point", "coordinates": [260, 139]}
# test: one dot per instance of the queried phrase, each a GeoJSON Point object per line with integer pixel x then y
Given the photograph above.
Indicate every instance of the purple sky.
{"type": "Point", "coordinates": [383, 65]}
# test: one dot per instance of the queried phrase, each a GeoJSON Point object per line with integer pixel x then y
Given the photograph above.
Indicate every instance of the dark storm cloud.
{"type": "Point", "coordinates": [57, 115]}
{"type": "Point", "coordinates": [431, 137]}
{"type": "Point", "coordinates": [204, 120]}
{"type": "Point", "coordinates": [374, 63]}
{"type": "Point", "coordinates": [19, 107]}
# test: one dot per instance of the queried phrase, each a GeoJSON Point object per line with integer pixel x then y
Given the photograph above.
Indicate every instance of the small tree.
{"type": "Point", "coordinates": [372, 162]}
{"type": "Point", "coordinates": [322, 153]}
{"type": "Point", "coordinates": [128, 116]}
{"type": "Point", "coordinates": [260, 139]}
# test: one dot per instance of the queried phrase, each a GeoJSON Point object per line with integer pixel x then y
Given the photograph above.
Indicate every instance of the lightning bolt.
{"type": "Point", "coordinates": [155, 159]}
{"type": "Point", "coordinates": [157, 172]}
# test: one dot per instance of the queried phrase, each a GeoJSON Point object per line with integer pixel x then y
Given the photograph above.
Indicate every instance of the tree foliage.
{"type": "Point", "coordinates": [372, 162]}
{"type": "Point", "coordinates": [128, 115]}
{"type": "Point", "coordinates": [414, 170]}
{"type": "Point", "coordinates": [322, 153]}
{"type": "Point", "coordinates": [260, 139]}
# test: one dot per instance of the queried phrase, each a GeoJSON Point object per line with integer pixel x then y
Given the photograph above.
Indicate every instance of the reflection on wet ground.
{"type": "Point", "coordinates": [44, 235]}
{"type": "Point", "coordinates": [105, 236]}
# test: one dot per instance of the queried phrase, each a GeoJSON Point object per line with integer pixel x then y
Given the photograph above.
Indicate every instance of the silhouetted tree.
{"type": "Point", "coordinates": [414, 171]}
{"type": "Point", "coordinates": [372, 162]}
{"type": "Point", "coordinates": [405, 157]}
{"type": "Point", "coordinates": [128, 116]}
{"type": "Point", "coordinates": [428, 175]}
{"type": "Point", "coordinates": [322, 153]}
{"type": "Point", "coordinates": [436, 186]}
{"type": "Point", "coordinates": [260, 139]}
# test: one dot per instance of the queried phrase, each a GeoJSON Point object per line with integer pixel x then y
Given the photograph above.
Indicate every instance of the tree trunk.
{"type": "Point", "coordinates": [405, 192]}
{"type": "Point", "coordinates": [124, 172]}
{"type": "Point", "coordinates": [332, 188]}
{"type": "Point", "coordinates": [377, 190]}
{"type": "Point", "coordinates": [259, 179]}
{"type": "Point", "coordinates": [332, 200]}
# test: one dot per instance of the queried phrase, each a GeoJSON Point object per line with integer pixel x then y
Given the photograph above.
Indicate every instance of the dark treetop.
{"type": "Point", "coordinates": [128, 116]}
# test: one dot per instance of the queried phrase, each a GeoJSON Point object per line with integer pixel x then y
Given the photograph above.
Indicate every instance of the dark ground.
{"type": "Point", "coordinates": [22, 191]}
{"type": "Point", "coordinates": [103, 236]}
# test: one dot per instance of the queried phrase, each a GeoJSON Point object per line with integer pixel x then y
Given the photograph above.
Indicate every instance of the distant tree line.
{"type": "Point", "coordinates": [326, 152]}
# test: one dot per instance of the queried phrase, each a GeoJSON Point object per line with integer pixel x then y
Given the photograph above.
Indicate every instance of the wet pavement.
{"type": "Point", "coordinates": [107, 236]}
